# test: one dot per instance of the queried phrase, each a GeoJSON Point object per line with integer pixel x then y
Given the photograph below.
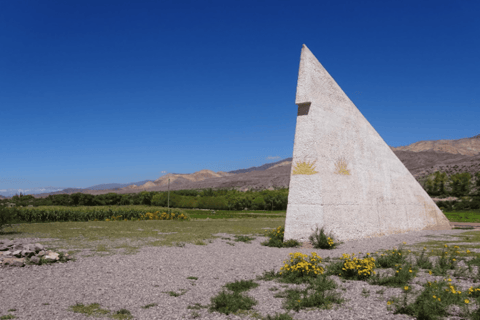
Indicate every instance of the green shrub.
{"type": "Point", "coordinates": [7, 216]}
{"type": "Point", "coordinates": [357, 269]}
{"type": "Point", "coordinates": [320, 240]}
{"type": "Point", "coordinates": [276, 239]}
{"type": "Point", "coordinates": [241, 286]}
{"type": "Point", "coordinates": [403, 274]}
{"type": "Point", "coordinates": [390, 258]}
{"type": "Point", "coordinates": [319, 294]}
{"type": "Point", "coordinates": [423, 262]}
{"type": "Point", "coordinates": [300, 267]}
{"type": "Point", "coordinates": [227, 303]}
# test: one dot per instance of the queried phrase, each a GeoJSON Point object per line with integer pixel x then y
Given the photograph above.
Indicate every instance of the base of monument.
{"type": "Point", "coordinates": [306, 245]}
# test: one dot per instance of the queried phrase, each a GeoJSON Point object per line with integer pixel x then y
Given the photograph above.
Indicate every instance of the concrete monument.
{"type": "Point", "coordinates": [344, 177]}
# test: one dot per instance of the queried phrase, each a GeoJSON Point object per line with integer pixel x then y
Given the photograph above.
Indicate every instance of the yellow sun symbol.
{"type": "Point", "coordinates": [341, 166]}
{"type": "Point", "coordinates": [304, 168]}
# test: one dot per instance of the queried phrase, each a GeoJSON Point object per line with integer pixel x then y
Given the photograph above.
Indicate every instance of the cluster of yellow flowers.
{"type": "Point", "coordinates": [113, 218]}
{"type": "Point", "coordinates": [475, 291]}
{"type": "Point", "coordinates": [400, 268]}
{"type": "Point", "coordinates": [361, 267]}
{"type": "Point", "coordinates": [277, 233]}
{"type": "Point", "coordinates": [302, 265]}
{"type": "Point", "coordinates": [330, 241]}
{"type": "Point", "coordinates": [163, 216]}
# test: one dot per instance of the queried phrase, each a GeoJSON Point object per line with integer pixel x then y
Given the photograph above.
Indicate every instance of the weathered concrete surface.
{"type": "Point", "coordinates": [344, 177]}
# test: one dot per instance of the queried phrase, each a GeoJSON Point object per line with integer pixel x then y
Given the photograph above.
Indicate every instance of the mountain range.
{"type": "Point", "coordinates": [420, 158]}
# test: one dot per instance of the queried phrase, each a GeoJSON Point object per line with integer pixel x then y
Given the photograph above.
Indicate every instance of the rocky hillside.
{"type": "Point", "coordinates": [466, 146]}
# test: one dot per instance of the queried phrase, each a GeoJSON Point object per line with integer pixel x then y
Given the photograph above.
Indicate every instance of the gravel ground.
{"type": "Point", "coordinates": [132, 281]}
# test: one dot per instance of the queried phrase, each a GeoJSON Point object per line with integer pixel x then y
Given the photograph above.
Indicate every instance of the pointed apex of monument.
{"type": "Point", "coordinates": [315, 82]}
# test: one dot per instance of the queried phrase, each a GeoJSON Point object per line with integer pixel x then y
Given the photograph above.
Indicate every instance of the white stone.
{"type": "Point", "coordinates": [352, 183]}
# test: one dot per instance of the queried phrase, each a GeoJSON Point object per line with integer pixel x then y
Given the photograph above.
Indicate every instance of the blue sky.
{"type": "Point", "coordinates": [99, 91]}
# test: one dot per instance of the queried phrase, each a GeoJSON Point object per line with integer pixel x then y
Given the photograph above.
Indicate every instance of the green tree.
{"type": "Point", "coordinates": [125, 200]}
{"type": "Point", "coordinates": [146, 197]}
{"type": "Point", "coordinates": [460, 184]}
{"type": "Point", "coordinates": [258, 203]}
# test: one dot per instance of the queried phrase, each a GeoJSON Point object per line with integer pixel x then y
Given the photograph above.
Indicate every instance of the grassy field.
{"type": "Point", "coordinates": [128, 236]}
{"type": "Point", "coordinates": [107, 237]}
{"type": "Point", "coordinates": [463, 216]}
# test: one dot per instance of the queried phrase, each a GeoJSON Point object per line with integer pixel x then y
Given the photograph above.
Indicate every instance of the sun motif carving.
{"type": "Point", "coordinates": [341, 166]}
{"type": "Point", "coordinates": [304, 168]}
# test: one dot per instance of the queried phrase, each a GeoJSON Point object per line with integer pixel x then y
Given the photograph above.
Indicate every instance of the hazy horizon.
{"type": "Point", "coordinates": [103, 92]}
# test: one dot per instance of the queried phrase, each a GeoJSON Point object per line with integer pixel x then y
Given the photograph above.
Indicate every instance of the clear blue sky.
{"type": "Point", "coordinates": [99, 91]}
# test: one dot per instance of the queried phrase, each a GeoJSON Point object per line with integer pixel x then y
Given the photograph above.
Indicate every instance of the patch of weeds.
{"type": "Point", "coordinates": [423, 262]}
{"type": "Point", "coordinates": [241, 286]}
{"type": "Point", "coordinates": [403, 275]}
{"type": "Point", "coordinates": [180, 244]}
{"type": "Point", "coordinates": [433, 301]}
{"type": "Point", "coordinates": [192, 278]}
{"type": "Point", "coordinates": [382, 291]}
{"type": "Point", "coordinates": [320, 240]}
{"type": "Point", "coordinates": [122, 314]}
{"type": "Point", "coordinates": [273, 289]}
{"type": "Point", "coordinates": [245, 239]}
{"type": "Point", "coordinates": [12, 310]}
{"type": "Point", "coordinates": [8, 316]}
{"type": "Point", "coordinates": [200, 243]}
{"type": "Point", "coordinates": [227, 303]}
{"type": "Point", "coordinates": [365, 293]}
{"type": "Point", "coordinates": [231, 243]}
{"type": "Point", "coordinates": [445, 262]}
{"type": "Point", "coordinates": [197, 306]}
{"type": "Point", "coordinates": [46, 304]}
{"type": "Point", "coordinates": [319, 294]}
{"type": "Point", "coordinates": [92, 309]}
{"type": "Point", "coordinates": [268, 275]}
{"type": "Point", "coordinates": [390, 258]}
{"type": "Point", "coordinates": [226, 238]}
{"type": "Point", "coordinates": [279, 316]}
{"type": "Point", "coordinates": [301, 267]}
{"type": "Point", "coordinates": [352, 268]}
{"type": "Point", "coordinates": [174, 294]}
{"type": "Point", "coordinates": [276, 239]}
{"type": "Point", "coordinates": [195, 314]}
{"type": "Point", "coordinates": [150, 305]}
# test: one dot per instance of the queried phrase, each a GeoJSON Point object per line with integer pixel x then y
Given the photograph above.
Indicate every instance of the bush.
{"type": "Point", "coordinates": [354, 268]}
{"type": "Point", "coordinates": [276, 239]}
{"type": "Point", "coordinates": [7, 216]}
{"type": "Point", "coordinates": [320, 240]}
{"type": "Point", "coordinates": [301, 266]}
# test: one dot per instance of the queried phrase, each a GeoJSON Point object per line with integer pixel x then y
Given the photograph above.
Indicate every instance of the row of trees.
{"type": "Point", "coordinates": [438, 184]}
{"type": "Point", "coordinates": [456, 185]}
{"type": "Point", "coordinates": [209, 199]}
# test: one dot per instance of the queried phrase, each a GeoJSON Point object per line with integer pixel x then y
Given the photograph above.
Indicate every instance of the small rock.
{"type": "Point", "coordinates": [35, 260]}
{"type": "Point", "coordinates": [17, 253]}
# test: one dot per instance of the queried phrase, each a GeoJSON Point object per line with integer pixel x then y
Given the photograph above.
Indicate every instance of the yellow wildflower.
{"type": "Point", "coordinates": [467, 301]}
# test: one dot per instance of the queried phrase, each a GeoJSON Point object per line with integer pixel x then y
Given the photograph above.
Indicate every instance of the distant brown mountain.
{"type": "Point", "coordinates": [420, 158]}
{"type": "Point", "coordinates": [465, 146]}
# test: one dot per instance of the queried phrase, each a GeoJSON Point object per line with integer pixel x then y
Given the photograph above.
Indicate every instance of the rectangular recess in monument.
{"type": "Point", "coordinates": [303, 109]}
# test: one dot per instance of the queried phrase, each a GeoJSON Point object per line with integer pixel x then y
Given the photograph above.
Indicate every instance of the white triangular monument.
{"type": "Point", "coordinates": [344, 177]}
